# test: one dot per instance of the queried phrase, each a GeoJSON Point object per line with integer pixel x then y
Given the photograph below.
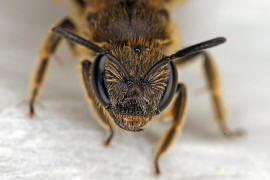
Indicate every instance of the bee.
{"type": "Point", "coordinates": [127, 72]}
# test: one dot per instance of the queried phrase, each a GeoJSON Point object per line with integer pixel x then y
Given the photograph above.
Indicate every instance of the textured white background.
{"type": "Point", "coordinates": [64, 140]}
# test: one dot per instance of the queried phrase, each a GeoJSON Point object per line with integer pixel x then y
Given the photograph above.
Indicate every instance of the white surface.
{"type": "Point", "coordinates": [64, 141]}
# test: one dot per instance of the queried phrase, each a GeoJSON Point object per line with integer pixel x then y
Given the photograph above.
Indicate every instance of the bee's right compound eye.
{"type": "Point", "coordinates": [98, 80]}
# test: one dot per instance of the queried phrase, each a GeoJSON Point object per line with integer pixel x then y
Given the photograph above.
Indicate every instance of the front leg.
{"type": "Point", "coordinates": [47, 50]}
{"type": "Point", "coordinates": [178, 112]}
{"type": "Point", "coordinates": [104, 119]}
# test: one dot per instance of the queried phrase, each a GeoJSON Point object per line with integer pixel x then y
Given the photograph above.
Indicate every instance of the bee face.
{"type": "Point", "coordinates": [135, 99]}
{"type": "Point", "coordinates": [133, 82]}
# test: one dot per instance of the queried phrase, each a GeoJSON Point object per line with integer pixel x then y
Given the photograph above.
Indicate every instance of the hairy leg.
{"type": "Point", "coordinates": [104, 119]}
{"type": "Point", "coordinates": [178, 112]}
{"type": "Point", "coordinates": [47, 50]}
{"type": "Point", "coordinates": [214, 85]}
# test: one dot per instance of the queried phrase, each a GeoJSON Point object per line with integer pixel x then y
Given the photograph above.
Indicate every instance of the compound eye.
{"type": "Point", "coordinates": [98, 80]}
{"type": "Point", "coordinates": [171, 88]}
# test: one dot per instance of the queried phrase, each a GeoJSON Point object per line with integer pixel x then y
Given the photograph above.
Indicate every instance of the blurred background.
{"type": "Point", "coordinates": [64, 141]}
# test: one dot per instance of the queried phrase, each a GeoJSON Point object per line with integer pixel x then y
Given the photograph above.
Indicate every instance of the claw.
{"type": "Point", "coordinates": [31, 112]}
{"type": "Point", "coordinates": [157, 172]}
{"type": "Point", "coordinates": [106, 143]}
{"type": "Point", "coordinates": [234, 134]}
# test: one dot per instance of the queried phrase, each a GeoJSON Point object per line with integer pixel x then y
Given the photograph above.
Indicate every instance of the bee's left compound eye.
{"type": "Point", "coordinates": [170, 90]}
{"type": "Point", "coordinates": [98, 80]}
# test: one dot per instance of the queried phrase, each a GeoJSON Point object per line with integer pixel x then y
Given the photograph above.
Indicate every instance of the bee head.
{"type": "Point", "coordinates": [134, 83]}
{"type": "Point", "coordinates": [135, 98]}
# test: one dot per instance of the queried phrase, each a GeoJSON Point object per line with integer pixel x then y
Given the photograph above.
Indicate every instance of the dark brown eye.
{"type": "Point", "coordinates": [138, 50]}
{"type": "Point", "coordinates": [98, 80]}
{"type": "Point", "coordinates": [170, 89]}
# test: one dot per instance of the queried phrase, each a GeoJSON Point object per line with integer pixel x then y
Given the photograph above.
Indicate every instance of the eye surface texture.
{"type": "Point", "coordinates": [98, 80]}
{"type": "Point", "coordinates": [170, 89]}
